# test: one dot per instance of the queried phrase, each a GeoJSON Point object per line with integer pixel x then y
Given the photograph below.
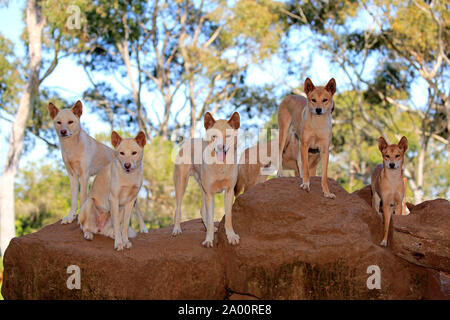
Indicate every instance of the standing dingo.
{"type": "Point", "coordinates": [311, 118]}
{"type": "Point", "coordinates": [388, 185]}
{"type": "Point", "coordinates": [213, 163]}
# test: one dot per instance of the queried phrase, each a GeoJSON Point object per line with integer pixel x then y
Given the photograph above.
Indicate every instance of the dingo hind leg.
{"type": "Point", "coordinates": [284, 122]}
{"type": "Point", "coordinates": [87, 219]}
{"type": "Point", "coordinates": [142, 227]}
{"type": "Point", "coordinates": [180, 178]}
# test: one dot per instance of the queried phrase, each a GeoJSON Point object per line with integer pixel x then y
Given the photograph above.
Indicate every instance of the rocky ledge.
{"type": "Point", "coordinates": [294, 245]}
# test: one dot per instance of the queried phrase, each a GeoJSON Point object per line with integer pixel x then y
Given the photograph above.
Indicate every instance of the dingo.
{"type": "Point", "coordinates": [107, 209]}
{"type": "Point", "coordinates": [250, 173]}
{"type": "Point", "coordinates": [213, 163]}
{"type": "Point", "coordinates": [311, 118]}
{"type": "Point", "coordinates": [388, 185]}
{"type": "Point", "coordinates": [83, 155]}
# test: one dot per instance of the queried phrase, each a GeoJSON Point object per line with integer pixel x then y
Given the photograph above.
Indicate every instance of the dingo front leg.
{"type": "Point", "coordinates": [115, 218]}
{"type": "Point", "coordinates": [305, 171]}
{"type": "Point", "coordinates": [388, 207]}
{"type": "Point", "coordinates": [209, 240]}
{"type": "Point", "coordinates": [126, 223]}
{"type": "Point", "coordinates": [324, 155]}
{"type": "Point", "coordinates": [74, 199]}
{"type": "Point", "coordinates": [84, 184]}
{"type": "Point", "coordinates": [232, 237]}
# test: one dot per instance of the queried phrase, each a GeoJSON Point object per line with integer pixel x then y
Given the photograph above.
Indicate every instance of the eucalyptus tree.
{"type": "Point", "coordinates": [177, 54]}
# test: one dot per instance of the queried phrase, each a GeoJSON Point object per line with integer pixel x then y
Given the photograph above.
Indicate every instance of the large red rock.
{"type": "Point", "coordinates": [423, 236]}
{"type": "Point", "coordinates": [299, 245]}
{"type": "Point", "coordinates": [294, 245]}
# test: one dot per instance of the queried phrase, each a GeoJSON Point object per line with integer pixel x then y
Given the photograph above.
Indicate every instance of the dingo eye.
{"type": "Point", "coordinates": [58, 122]}
{"type": "Point", "coordinates": [313, 100]}
{"type": "Point", "coordinates": [122, 153]}
{"type": "Point", "coordinates": [324, 100]}
{"type": "Point", "coordinates": [134, 152]}
{"type": "Point", "coordinates": [70, 122]}
{"type": "Point", "coordinates": [213, 136]}
{"type": "Point", "coordinates": [387, 156]}
{"type": "Point", "coordinates": [397, 156]}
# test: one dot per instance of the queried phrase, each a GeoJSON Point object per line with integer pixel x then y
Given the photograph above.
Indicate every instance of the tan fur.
{"type": "Point", "coordinates": [313, 129]}
{"type": "Point", "coordinates": [108, 208]}
{"type": "Point", "coordinates": [388, 185]}
{"type": "Point", "coordinates": [201, 158]}
{"type": "Point", "coordinates": [83, 155]}
{"type": "Point", "coordinates": [250, 174]}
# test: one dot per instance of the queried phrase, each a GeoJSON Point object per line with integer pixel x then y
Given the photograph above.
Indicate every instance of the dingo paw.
{"type": "Point", "coordinates": [305, 186]}
{"type": "Point", "coordinates": [128, 244]}
{"type": "Point", "coordinates": [208, 243]}
{"type": "Point", "coordinates": [68, 219]}
{"type": "Point", "coordinates": [383, 243]}
{"type": "Point", "coordinates": [176, 230]}
{"type": "Point", "coordinates": [143, 230]}
{"type": "Point", "coordinates": [233, 238]}
{"type": "Point", "coordinates": [118, 245]}
{"type": "Point", "coordinates": [329, 195]}
{"type": "Point", "coordinates": [88, 235]}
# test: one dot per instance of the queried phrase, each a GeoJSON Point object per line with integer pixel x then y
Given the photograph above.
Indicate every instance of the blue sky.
{"type": "Point", "coordinates": [70, 80]}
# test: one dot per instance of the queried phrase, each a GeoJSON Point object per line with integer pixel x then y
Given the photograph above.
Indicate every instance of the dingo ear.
{"type": "Point", "coordinates": [77, 109]}
{"type": "Point", "coordinates": [235, 121]}
{"type": "Point", "coordinates": [403, 144]}
{"type": "Point", "coordinates": [382, 144]}
{"type": "Point", "coordinates": [141, 139]}
{"type": "Point", "coordinates": [208, 121]}
{"type": "Point", "coordinates": [331, 86]}
{"type": "Point", "coordinates": [309, 86]}
{"type": "Point", "coordinates": [115, 139]}
{"type": "Point", "coordinates": [53, 110]}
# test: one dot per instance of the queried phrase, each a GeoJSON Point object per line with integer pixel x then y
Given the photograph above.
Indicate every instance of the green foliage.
{"type": "Point", "coordinates": [42, 197]}
{"type": "Point", "coordinates": [10, 80]}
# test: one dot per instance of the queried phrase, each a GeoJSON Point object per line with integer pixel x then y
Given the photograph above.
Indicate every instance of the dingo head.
{"type": "Point", "coordinates": [129, 151]}
{"type": "Point", "coordinates": [222, 134]}
{"type": "Point", "coordinates": [320, 99]}
{"type": "Point", "coordinates": [66, 121]}
{"type": "Point", "coordinates": [393, 154]}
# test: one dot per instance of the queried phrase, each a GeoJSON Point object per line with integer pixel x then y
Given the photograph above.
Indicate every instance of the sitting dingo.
{"type": "Point", "coordinates": [250, 173]}
{"type": "Point", "coordinates": [213, 163]}
{"type": "Point", "coordinates": [311, 118]}
{"type": "Point", "coordinates": [108, 208]}
{"type": "Point", "coordinates": [83, 155]}
{"type": "Point", "coordinates": [388, 185]}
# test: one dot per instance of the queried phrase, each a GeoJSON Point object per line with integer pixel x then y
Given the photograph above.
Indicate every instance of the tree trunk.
{"type": "Point", "coordinates": [35, 24]}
